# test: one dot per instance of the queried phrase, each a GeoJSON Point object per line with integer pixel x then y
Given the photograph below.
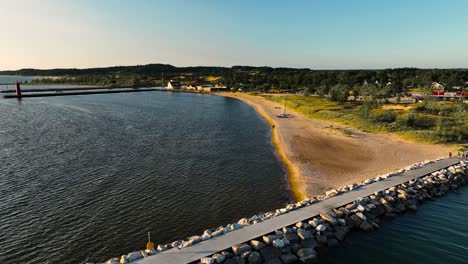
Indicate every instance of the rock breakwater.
{"type": "Point", "coordinates": [299, 243]}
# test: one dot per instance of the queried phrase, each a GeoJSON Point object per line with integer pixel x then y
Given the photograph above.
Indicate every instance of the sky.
{"type": "Point", "coordinates": [316, 34]}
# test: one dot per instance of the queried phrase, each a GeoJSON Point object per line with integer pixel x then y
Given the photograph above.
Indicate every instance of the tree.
{"type": "Point", "coordinates": [321, 90]}
{"type": "Point", "coordinates": [339, 93]}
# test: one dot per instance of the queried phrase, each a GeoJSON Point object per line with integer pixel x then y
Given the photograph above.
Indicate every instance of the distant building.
{"type": "Point", "coordinates": [438, 86]}
{"type": "Point", "coordinates": [173, 85]}
{"type": "Point", "coordinates": [192, 86]}
{"type": "Point", "coordinates": [214, 89]}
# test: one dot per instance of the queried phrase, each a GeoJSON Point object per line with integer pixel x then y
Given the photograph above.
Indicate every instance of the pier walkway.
{"type": "Point", "coordinates": [217, 244]}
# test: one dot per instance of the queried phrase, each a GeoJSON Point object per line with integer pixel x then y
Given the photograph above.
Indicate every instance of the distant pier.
{"type": "Point", "coordinates": [47, 92]}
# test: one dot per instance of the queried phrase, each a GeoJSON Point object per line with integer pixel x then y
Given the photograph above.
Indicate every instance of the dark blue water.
{"type": "Point", "coordinates": [83, 178]}
{"type": "Point", "coordinates": [436, 233]}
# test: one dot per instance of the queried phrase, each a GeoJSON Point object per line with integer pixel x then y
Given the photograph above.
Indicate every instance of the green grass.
{"type": "Point", "coordinates": [432, 122]}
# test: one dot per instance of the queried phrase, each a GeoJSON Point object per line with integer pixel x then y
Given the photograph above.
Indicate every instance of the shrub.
{"type": "Point", "coordinates": [385, 116]}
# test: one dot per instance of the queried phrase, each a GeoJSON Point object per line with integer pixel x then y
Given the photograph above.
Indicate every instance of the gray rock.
{"type": "Point", "coordinates": [322, 240]}
{"type": "Point", "coordinates": [355, 221]}
{"type": "Point", "coordinates": [227, 254]}
{"type": "Point", "coordinates": [288, 259]}
{"type": "Point", "coordinates": [133, 256]}
{"type": "Point", "coordinates": [207, 260]}
{"type": "Point", "coordinates": [291, 237]}
{"type": "Point", "coordinates": [321, 228]}
{"type": "Point", "coordinates": [239, 260]}
{"type": "Point", "coordinates": [309, 243]}
{"type": "Point", "coordinates": [255, 258]}
{"type": "Point", "coordinates": [230, 261]}
{"type": "Point", "coordinates": [245, 255]}
{"type": "Point", "coordinates": [361, 208]}
{"type": "Point", "coordinates": [269, 239]}
{"type": "Point", "coordinates": [241, 248]}
{"type": "Point", "coordinates": [273, 261]}
{"type": "Point", "coordinates": [366, 226]}
{"type": "Point", "coordinates": [269, 253]}
{"type": "Point", "coordinates": [303, 234]}
{"type": "Point", "coordinates": [378, 211]}
{"type": "Point", "coordinates": [219, 258]}
{"type": "Point", "coordinates": [257, 245]}
{"type": "Point", "coordinates": [296, 247]}
{"type": "Point", "coordinates": [309, 260]}
{"type": "Point", "coordinates": [315, 222]}
{"type": "Point", "coordinates": [361, 216]}
{"type": "Point", "coordinates": [340, 235]}
{"type": "Point", "coordinates": [279, 243]}
{"type": "Point", "coordinates": [113, 261]}
{"type": "Point", "coordinates": [306, 252]}
{"type": "Point", "coordinates": [329, 218]}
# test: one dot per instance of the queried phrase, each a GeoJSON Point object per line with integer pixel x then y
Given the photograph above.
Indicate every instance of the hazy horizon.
{"type": "Point", "coordinates": [319, 35]}
{"type": "Point", "coordinates": [230, 66]}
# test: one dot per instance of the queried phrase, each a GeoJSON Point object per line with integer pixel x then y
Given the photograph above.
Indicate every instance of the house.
{"type": "Point", "coordinates": [437, 86]}
{"type": "Point", "coordinates": [214, 89]}
{"type": "Point", "coordinates": [192, 86]}
{"type": "Point", "coordinates": [173, 85]}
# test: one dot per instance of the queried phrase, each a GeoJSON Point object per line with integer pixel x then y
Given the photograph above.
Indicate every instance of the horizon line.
{"type": "Point", "coordinates": [232, 66]}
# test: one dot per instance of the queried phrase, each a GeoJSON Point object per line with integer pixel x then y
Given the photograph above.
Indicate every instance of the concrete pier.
{"type": "Point", "coordinates": [217, 244]}
{"type": "Point", "coordinates": [87, 91]}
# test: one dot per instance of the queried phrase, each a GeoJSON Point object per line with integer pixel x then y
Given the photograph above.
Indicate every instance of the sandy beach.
{"type": "Point", "coordinates": [319, 156]}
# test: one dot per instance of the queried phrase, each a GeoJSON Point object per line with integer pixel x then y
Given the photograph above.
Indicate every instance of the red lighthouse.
{"type": "Point", "coordinates": [18, 89]}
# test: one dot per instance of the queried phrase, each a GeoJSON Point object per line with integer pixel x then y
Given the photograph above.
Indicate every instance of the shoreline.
{"type": "Point", "coordinates": [291, 170]}
{"type": "Point", "coordinates": [318, 156]}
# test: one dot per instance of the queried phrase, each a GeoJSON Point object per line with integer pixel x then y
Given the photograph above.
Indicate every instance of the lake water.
{"type": "Point", "coordinates": [84, 178]}
{"type": "Point", "coordinates": [436, 233]}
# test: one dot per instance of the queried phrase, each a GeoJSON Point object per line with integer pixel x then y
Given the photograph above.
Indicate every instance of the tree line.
{"type": "Point", "coordinates": [256, 78]}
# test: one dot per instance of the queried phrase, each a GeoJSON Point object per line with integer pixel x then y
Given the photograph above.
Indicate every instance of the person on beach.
{"type": "Point", "coordinates": [450, 155]}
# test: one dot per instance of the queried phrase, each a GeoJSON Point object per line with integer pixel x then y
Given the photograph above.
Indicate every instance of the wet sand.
{"type": "Point", "coordinates": [321, 155]}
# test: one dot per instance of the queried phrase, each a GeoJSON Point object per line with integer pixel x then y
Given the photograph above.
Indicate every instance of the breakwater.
{"type": "Point", "coordinates": [299, 242]}
{"type": "Point", "coordinates": [87, 91]}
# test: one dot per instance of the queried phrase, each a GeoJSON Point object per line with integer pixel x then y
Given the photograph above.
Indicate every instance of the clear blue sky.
{"type": "Point", "coordinates": [315, 34]}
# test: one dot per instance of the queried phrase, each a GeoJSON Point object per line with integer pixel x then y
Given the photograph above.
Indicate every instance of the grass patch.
{"type": "Point", "coordinates": [431, 122]}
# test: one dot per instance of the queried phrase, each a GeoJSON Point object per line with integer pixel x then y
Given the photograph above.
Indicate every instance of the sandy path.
{"type": "Point", "coordinates": [320, 158]}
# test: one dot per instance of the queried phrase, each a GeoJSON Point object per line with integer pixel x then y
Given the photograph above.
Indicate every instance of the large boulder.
{"type": "Point", "coordinates": [329, 218]}
{"type": "Point", "coordinates": [355, 220]}
{"type": "Point", "coordinates": [288, 258]}
{"type": "Point", "coordinates": [279, 243]}
{"type": "Point", "coordinates": [291, 237]}
{"type": "Point", "coordinates": [270, 253]}
{"type": "Point", "coordinates": [306, 252]}
{"type": "Point", "coordinates": [257, 245]}
{"type": "Point", "coordinates": [273, 261]}
{"type": "Point", "coordinates": [113, 261]}
{"type": "Point", "coordinates": [134, 256]}
{"type": "Point", "coordinates": [269, 239]}
{"type": "Point", "coordinates": [366, 226]}
{"type": "Point", "coordinates": [309, 243]}
{"type": "Point", "coordinates": [241, 248]}
{"type": "Point", "coordinates": [303, 234]}
{"type": "Point", "coordinates": [361, 216]}
{"type": "Point", "coordinates": [219, 258]}
{"type": "Point", "coordinates": [207, 260]}
{"type": "Point", "coordinates": [321, 228]}
{"type": "Point", "coordinates": [254, 258]}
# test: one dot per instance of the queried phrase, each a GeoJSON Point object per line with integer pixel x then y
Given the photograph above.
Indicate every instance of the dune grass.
{"type": "Point", "coordinates": [430, 122]}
